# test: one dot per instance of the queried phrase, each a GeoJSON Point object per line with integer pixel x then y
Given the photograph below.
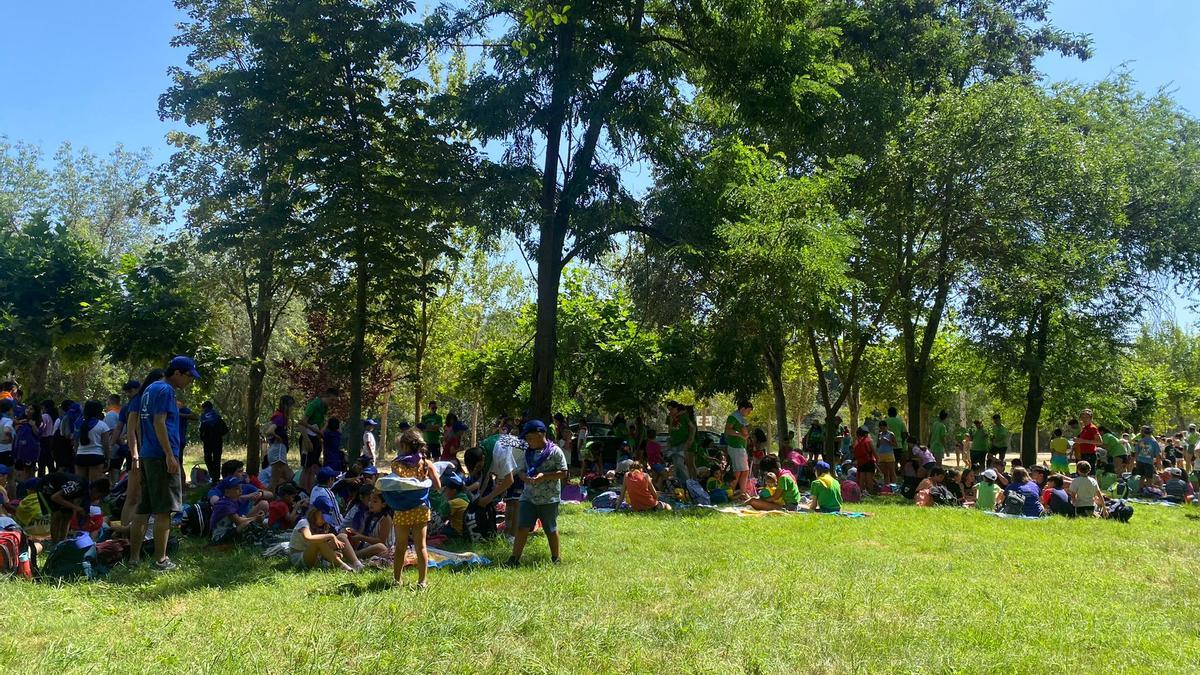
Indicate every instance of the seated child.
{"type": "Point", "coordinates": [986, 490]}
{"type": "Point", "coordinates": [925, 489]}
{"type": "Point", "coordinates": [1085, 491]}
{"type": "Point", "coordinates": [314, 540]}
{"type": "Point", "coordinates": [226, 522]}
{"type": "Point", "coordinates": [826, 491]}
{"type": "Point", "coordinates": [356, 508]}
{"type": "Point", "coordinates": [377, 536]}
{"type": "Point", "coordinates": [1151, 488]}
{"type": "Point", "coordinates": [335, 457]}
{"type": "Point", "coordinates": [638, 491]}
{"type": "Point", "coordinates": [851, 490]}
{"type": "Point", "coordinates": [453, 505]}
{"type": "Point", "coordinates": [1178, 490]}
{"type": "Point", "coordinates": [286, 509]}
{"type": "Point", "coordinates": [1056, 499]}
{"type": "Point", "coordinates": [1107, 478]}
{"type": "Point", "coordinates": [781, 491]}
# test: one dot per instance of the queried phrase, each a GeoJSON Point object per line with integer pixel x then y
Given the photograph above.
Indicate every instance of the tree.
{"type": "Point", "coordinates": [592, 86]}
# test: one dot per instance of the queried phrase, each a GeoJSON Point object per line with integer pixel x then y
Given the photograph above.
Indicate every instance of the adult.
{"type": "Point", "coordinates": [492, 463]}
{"type": "Point", "coordinates": [541, 467]}
{"type": "Point", "coordinates": [681, 434]}
{"type": "Point", "coordinates": [939, 436]}
{"type": "Point", "coordinates": [213, 431]}
{"type": "Point", "coordinates": [277, 444]}
{"type": "Point", "coordinates": [133, 434]}
{"type": "Point", "coordinates": [737, 433]}
{"type": "Point", "coordinates": [1088, 440]}
{"type": "Point", "coordinates": [1189, 447]}
{"type": "Point", "coordinates": [46, 437]}
{"type": "Point", "coordinates": [979, 446]}
{"type": "Point", "coordinates": [121, 460]}
{"type": "Point", "coordinates": [160, 453]}
{"type": "Point", "coordinates": [896, 426]}
{"type": "Point", "coordinates": [814, 441]}
{"type": "Point", "coordinates": [1115, 450]}
{"type": "Point", "coordinates": [433, 425]}
{"type": "Point", "coordinates": [1149, 454]}
{"type": "Point", "coordinates": [998, 439]}
{"type": "Point", "coordinates": [369, 444]}
{"type": "Point", "coordinates": [313, 423]}
{"type": "Point", "coordinates": [1022, 485]}
{"type": "Point", "coordinates": [865, 460]}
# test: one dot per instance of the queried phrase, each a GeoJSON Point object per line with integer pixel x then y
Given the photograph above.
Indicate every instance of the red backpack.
{"type": "Point", "coordinates": [16, 554]}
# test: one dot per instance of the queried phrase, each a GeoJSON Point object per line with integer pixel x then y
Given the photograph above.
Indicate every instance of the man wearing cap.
{"type": "Point", "coordinates": [160, 455]}
{"type": "Point", "coordinates": [367, 458]}
{"type": "Point", "coordinates": [1088, 440]}
{"type": "Point", "coordinates": [541, 467]}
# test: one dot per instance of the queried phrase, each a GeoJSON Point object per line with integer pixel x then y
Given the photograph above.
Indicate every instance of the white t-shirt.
{"type": "Point", "coordinates": [369, 445]}
{"type": "Point", "coordinates": [442, 467]}
{"type": "Point", "coordinates": [298, 543]}
{"type": "Point", "coordinates": [1084, 490]}
{"type": "Point", "coordinates": [6, 434]}
{"type": "Point", "coordinates": [94, 445]}
{"type": "Point", "coordinates": [503, 463]}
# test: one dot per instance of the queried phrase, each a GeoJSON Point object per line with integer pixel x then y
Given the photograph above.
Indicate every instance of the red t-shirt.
{"type": "Point", "coordinates": [864, 452]}
{"type": "Point", "coordinates": [1088, 439]}
{"type": "Point", "coordinates": [654, 453]}
{"type": "Point", "coordinates": [277, 513]}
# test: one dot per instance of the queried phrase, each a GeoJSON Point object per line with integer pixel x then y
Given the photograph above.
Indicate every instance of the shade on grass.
{"type": "Point", "coordinates": [910, 589]}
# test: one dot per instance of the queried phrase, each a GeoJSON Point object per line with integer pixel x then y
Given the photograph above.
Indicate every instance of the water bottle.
{"type": "Point", "coordinates": [583, 492]}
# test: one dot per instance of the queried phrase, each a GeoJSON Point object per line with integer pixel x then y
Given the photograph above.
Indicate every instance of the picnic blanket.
{"type": "Point", "coordinates": [752, 512]}
{"type": "Point", "coordinates": [1155, 502]}
{"type": "Point", "coordinates": [1009, 515]}
{"type": "Point", "coordinates": [438, 557]}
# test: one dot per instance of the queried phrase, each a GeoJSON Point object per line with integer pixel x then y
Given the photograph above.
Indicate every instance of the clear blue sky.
{"type": "Point", "coordinates": [91, 71]}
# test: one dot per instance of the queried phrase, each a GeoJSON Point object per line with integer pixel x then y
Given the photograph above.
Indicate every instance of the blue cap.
{"type": "Point", "coordinates": [370, 471]}
{"type": "Point", "coordinates": [4, 470]}
{"type": "Point", "coordinates": [452, 479]}
{"type": "Point", "coordinates": [323, 504]}
{"type": "Point", "coordinates": [822, 466]}
{"type": "Point", "coordinates": [229, 482]}
{"type": "Point", "coordinates": [370, 423]}
{"type": "Point", "coordinates": [325, 474]}
{"type": "Point", "coordinates": [533, 426]}
{"type": "Point", "coordinates": [185, 364]}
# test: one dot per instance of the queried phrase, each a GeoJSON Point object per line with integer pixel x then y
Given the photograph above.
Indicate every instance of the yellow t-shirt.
{"type": "Point", "coordinates": [1060, 446]}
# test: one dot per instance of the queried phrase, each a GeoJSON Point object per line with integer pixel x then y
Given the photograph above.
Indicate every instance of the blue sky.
{"type": "Point", "coordinates": [91, 71]}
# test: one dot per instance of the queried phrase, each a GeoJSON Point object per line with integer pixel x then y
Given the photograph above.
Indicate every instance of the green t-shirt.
{"type": "Point", "coordinates": [979, 440]}
{"type": "Point", "coordinates": [896, 426]}
{"type": "Point", "coordinates": [620, 431]}
{"type": "Point", "coordinates": [985, 496]}
{"type": "Point", "coordinates": [1107, 480]}
{"type": "Point", "coordinates": [789, 489]}
{"type": "Point", "coordinates": [1192, 439]}
{"type": "Point", "coordinates": [999, 436]}
{"type": "Point", "coordinates": [734, 440]}
{"type": "Point", "coordinates": [937, 439]}
{"type": "Point", "coordinates": [828, 493]}
{"type": "Point", "coordinates": [679, 431]}
{"type": "Point", "coordinates": [431, 420]}
{"type": "Point", "coordinates": [315, 412]}
{"type": "Point", "coordinates": [1113, 445]}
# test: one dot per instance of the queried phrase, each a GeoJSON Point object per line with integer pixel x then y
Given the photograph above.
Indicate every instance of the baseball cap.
{"type": "Point", "coordinates": [822, 466]}
{"type": "Point", "coordinates": [989, 474]}
{"type": "Point", "coordinates": [229, 482]}
{"type": "Point", "coordinates": [370, 423]}
{"type": "Point", "coordinates": [325, 474]}
{"type": "Point", "coordinates": [185, 364]}
{"type": "Point", "coordinates": [370, 471]}
{"type": "Point", "coordinates": [533, 426]}
{"type": "Point", "coordinates": [323, 504]}
{"type": "Point", "coordinates": [4, 470]}
{"type": "Point", "coordinates": [453, 480]}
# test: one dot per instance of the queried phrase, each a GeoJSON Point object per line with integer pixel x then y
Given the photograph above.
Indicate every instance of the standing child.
{"type": "Point", "coordinates": [367, 458]}
{"type": "Point", "coordinates": [540, 467]}
{"type": "Point", "coordinates": [1060, 453]}
{"type": "Point", "coordinates": [865, 460]}
{"type": "Point", "coordinates": [406, 491]}
{"type": "Point", "coordinates": [91, 455]}
{"type": "Point", "coordinates": [335, 457]}
{"type": "Point", "coordinates": [887, 453]}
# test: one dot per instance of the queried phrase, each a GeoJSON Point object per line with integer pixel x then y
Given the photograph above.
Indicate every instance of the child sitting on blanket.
{"type": "Point", "coordinates": [826, 491]}
{"type": "Point", "coordinates": [781, 491]}
{"type": "Point", "coordinates": [851, 491]}
{"type": "Point", "coordinates": [313, 540]}
{"type": "Point", "coordinates": [377, 536]}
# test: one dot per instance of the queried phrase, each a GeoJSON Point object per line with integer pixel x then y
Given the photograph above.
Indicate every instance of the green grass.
{"type": "Point", "coordinates": [930, 590]}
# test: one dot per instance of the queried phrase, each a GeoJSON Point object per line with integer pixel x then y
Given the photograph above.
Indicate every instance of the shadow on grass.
{"type": "Point", "coordinates": [199, 568]}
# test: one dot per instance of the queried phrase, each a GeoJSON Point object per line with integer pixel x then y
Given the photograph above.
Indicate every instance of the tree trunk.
{"type": "Point", "coordinates": [357, 354]}
{"type": "Point", "coordinates": [41, 371]}
{"type": "Point", "coordinates": [254, 392]}
{"type": "Point", "coordinates": [474, 424]}
{"type": "Point", "coordinates": [774, 363]}
{"type": "Point", "coordinates": [1035, 396]}
{"type": "Point", "coordinates": [855, 403]}
{"type": "Point", "coordinates": [383, 426]}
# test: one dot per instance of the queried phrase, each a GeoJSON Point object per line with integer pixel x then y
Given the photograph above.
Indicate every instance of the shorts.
{"type": "Point", "coordinates": [737, 459]}
{"type": "Point", "coordinates": [529, 513]}
{"type": "Point", "coordinates": [886, 458]}
{"type": "Point", "coordinates": [979, 457]}
{"type": "Point", "coordinates": [1090, 458]}
{"type": "Point", "coordinates": [412, 517]}
{"type": "Point", "coordinates": [297, 558]}
{"type": "Point", "coordinates": [435, 449]}
{"type": "Point", "coordinates": [119, 458]}
{"type": "Point", "coordinates": [1144, 470]}
{"type": "Point", "coordinates": [1060, 465]}
{"type": "Point", "coordinates": [87, 461]}
{"type": "Point", "coordinates": [312, 457]}
{"type": "Point", "coordinates": [277, 453]}
{"type": "Point", "coordinates": [162, 492]}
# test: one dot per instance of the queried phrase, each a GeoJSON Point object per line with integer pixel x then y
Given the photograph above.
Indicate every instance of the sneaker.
{"type": "Point", "coordinates": [165, 565]}
{"type": "Point", "coordinates": [421, 585]}
{"type": "Point", "coordinates": [555, 561]}
{"type": "Point", "coordinates": [513, 562]}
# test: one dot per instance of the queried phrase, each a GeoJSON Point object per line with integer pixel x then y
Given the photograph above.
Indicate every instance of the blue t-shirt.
{"type": "Point", "coordinates": [159, 398]}
{"type": "Point", "coordinates": [1033, 497]}
{"type": "Point", "coordinates": [1147, 450]}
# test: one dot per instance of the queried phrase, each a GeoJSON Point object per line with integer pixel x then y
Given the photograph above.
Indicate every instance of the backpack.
{"type": "Point", "coordinates": [1118, 510]}
{"type": "Point", "coordinates": [33, 515]}
{"type": "Point", "coordinates": [200, 476]}
{"type": "Point", "coordinates": [1014, 503]}
{"type": "Point", "coordinates": [17, 556]}
{"type": "Point", "coordinates": [697, 493]}
{"type": "Point", "coordinates": [605, 500]}
{"type": "Point", "coordinates": [73, 559]}
{"type": "Point", "coordinates": [943, 497]}
{"type": "Point", "coordinates": [195, 519]}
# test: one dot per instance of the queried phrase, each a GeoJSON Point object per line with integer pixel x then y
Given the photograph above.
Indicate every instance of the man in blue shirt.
{"type": "Point", "coordinates": [1149, 454]}
{"type": "Point", "coordinates": [160, 454]}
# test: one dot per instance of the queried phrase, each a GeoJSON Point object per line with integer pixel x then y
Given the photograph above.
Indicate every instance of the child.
{"type": "Point", "coordinates": [314, 538]}
{"type": "Point", "coordinates": [937, 475]}
{"type": "Point", "coordinates": [1060, 453]}
{"type": "Point", "coordinates": [638, 491]}
{"type": "Point", "coordinates": [1085, 491]}
{"type": "Point", "coordinates": [378, 534]}
{"type": "Point", "coordinates": [335, 457]}
{"type": "Point", "coordinates": [1107, 478]}
{"type": "Point", "coordinates": [1178, 489]}
{"type": "Point", "coordinates": [225, 521]}
{"type": "Point", "coordinates": [413, 476]}
{"type": "Point", "coordinates": [284, 512]}
{"type": "Point", "coordinates": [357, 508]}
{"type": "Point", "coordinates": [865, 460]}
{"type": "Point", "coordinates": [91, 454]}
{"type": "Point", "coordinates": [886, 454]}
{"type": "Point", "coordinates": [986, 490]}
{"type": "Point", "coordinates": [1056, 499]}
{"type": "Point", "coordinates": [851, 491]}
{"type": "Point", "coordinates": [540, 468]}
{"type": "Point", "coordinates": [4, 501]}
{"type": "Point", "coordinates": [826, 491]}
{"type": "Point", "coordinates": [454, 504]}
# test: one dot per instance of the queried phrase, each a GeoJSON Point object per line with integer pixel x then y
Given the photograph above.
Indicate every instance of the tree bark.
{"type": "Point", "coordinates": [1035, 396]}
{"type": "Point", "coordinates": [383, 426]}
{"type": "Point", "coordinates": [774, 362]}
{"type": "Point", "coordinates": [357, 353]}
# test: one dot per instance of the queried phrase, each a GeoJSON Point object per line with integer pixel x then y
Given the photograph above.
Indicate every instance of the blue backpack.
{"type": "Point", "coordinates": [697, 493]}
{"type": "Point", "coordinates": [74, 559]}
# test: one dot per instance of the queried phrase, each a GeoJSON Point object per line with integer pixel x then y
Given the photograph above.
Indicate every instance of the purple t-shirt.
{"type": "Point", "coordinates": [224, 508]}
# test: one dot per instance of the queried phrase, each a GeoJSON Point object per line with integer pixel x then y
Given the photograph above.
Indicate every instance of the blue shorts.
{"type": "Point", "coordinates": [529, 513]}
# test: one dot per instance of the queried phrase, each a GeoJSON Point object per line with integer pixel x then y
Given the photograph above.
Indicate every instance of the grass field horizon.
{"type": "Point", "coordinates": [909, 589]}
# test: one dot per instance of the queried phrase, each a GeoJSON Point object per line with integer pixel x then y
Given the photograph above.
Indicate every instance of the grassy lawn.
{"type": "Point", "coordinates": [930, 590]}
